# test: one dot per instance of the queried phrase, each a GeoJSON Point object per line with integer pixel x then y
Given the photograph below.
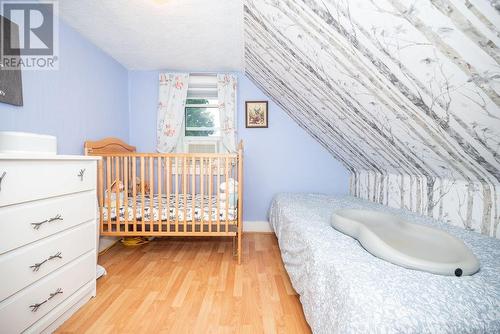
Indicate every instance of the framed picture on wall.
{"type": "Point", "coordinates": [256, 114]}
{"type": "Point", "coordinates": [11, 88]}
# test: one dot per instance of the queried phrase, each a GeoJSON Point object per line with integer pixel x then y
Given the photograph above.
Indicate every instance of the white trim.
{"type": "Point", "coordinates": [215, 106]}
{"type": "Point", "coordinates": [203, 138]}
{"type": "Point", "coordinates": [200, 128]}
{"type": "Point", "coordinates": [257, 226]}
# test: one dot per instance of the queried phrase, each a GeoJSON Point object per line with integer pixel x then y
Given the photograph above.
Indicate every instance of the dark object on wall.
{"type": "Point", "coordinates": [11, 88]}
{"type": "Point", "coordinates": [256, 114]}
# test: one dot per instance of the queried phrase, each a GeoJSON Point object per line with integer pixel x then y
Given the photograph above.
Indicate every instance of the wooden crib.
{"type": "Point", "coordinates": [176, 194]}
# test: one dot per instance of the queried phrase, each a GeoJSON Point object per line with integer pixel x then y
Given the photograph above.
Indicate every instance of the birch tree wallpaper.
{"type": "Point", "coordinates": [406, 93]}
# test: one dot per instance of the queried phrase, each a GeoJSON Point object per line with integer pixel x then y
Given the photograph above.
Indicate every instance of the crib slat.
{"type": "Point", "coordinates": [100, 169]}
{"type": "Point", "coordinates": [226, 160]}
{"type": "Point", "coordinates": [193, 193]}
{"type": "Point", "coordinates": [134, 191]}
{"type": "Point", "coordinates": [210, 191]}
{"type": "Point", "coordinates": [202, 193]}
{"type": "Point", "coordinates": [117, 193]}
{"type": "Point", "coordinates": [184, 190]}
{"type": "Point", "coordinates": [143, 194]}
{"type": "Point", "coordinates": [218, 194]}
{"type": "Point", "coordinates": [108, 190]}
{"type": "Point", "coordinates": [125, 190]}
{"type": "Point", "coordinates": [168, 177]}
{"type": "Point", "coordinates": [160, 198]}
{"type": "Point", "coordinates": [151, 194]}
{"type": "Point", "coordinates": [176, 209]}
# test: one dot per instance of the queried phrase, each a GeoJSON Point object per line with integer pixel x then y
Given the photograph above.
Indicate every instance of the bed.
{"type": "Point", "coordinates": [174, 194]}
{"type": "Point", "coordinates": [344, 289]}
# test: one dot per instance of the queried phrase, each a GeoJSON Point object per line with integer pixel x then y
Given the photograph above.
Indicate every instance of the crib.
{"type": "Point", "coordinates": [175, 194]}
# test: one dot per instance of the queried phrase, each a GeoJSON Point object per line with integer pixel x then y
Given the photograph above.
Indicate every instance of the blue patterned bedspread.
{"type": "Point", "coordinates": [344, 289]}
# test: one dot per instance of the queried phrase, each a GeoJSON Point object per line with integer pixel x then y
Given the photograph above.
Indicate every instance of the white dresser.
{"type": "Point", "coordinates": [48, 240]}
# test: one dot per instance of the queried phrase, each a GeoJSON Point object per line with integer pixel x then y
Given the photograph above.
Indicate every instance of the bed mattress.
{"type": "Point", "coordinates": [344, 289]}
{"type": "Point", "coordinates": [168, 210]}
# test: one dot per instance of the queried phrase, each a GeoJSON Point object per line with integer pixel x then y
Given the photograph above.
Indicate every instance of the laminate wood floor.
{"type": "Point", "coordinates": [186, 285]}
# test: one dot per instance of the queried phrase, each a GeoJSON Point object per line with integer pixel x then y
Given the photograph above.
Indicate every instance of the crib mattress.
{"type": "Point", "coordinates": [169, 212]}
{"type": "Point", "coordinates": [345, 289]}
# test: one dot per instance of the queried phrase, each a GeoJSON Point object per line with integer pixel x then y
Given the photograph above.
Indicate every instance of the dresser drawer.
{"type": "Point", "coordinates": [62, 312]}
{"type": "Point", "coordinates": [24, 223]}
{"type": "Point", "coordinates": [27, 180]}
{"type": "Point", "coordinates": [26, 265]}
{"type": "Point", "coordinates": [20, 311]}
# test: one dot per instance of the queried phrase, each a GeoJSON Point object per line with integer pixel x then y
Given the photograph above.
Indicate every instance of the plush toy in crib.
{"type": "Point", "coordinates": [138, 186]}
{"type": "Point", "coordinates": [111, 193]}
{"type": "Point", "coordinates": [118, 185]}
{"type": "Point", "coordinates": [229, 190]}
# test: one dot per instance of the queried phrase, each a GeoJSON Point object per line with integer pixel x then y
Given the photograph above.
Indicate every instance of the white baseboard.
{"type": "Point", "coordinates": [257, 226]}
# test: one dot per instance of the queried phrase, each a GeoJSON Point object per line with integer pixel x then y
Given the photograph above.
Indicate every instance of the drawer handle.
{"type": "Point", "coordinates": [37, 266]}
{"type": "Point", "coordinates": [55, 293]}
{"type": "Point", "coordinates": [36, 306]}
{"type": "Point", "coordinates": [1, 179]}
{"type": "Point", "coordinates": [36, 226]}
{"type": "Point", "coordinates": [81, 173]}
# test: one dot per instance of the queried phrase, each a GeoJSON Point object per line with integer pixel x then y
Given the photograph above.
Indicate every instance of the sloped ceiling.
{"type": "Point", "coordinates": [405, 93]}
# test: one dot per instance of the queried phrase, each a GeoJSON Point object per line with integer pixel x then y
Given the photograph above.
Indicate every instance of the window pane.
{"type": "Point", "coordinates": [202, 118]}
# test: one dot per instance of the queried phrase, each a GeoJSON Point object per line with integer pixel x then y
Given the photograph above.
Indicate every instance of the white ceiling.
{"type": "Point", "coordinates": [189, 35]}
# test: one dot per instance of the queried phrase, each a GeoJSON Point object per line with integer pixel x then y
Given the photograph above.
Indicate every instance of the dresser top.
{"type": "Point", "coordinates": [9, 156]}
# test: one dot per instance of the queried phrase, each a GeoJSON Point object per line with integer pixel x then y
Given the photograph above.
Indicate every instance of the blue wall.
{"type": "Point", "coordinates": [143, 101]}
{"type": "Point", "coordinates": [87, 98]}
{"type": "Point", "coordinates": [281, 158]}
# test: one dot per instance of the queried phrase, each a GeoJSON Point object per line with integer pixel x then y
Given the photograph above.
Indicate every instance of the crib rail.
{"type": "Point", "coordinates": [181, 194]}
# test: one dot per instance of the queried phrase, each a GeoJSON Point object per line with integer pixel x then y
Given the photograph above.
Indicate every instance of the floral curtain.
{"type": "Point", "coordinates": [171, 104]}
{"type": "Point", "coordinates": [226, 89]}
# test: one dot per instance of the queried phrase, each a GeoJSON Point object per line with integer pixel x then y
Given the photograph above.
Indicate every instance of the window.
{"type": "Point", "coordinates": [202, 112]}
{"type": "Point", "coordinates": [202, 117]}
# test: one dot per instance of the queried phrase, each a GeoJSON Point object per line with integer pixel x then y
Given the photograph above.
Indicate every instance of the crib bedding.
{"type": "Point", "coordinates": [344, 289]}
{"type": "Point", "coordinates": [168, 210]}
